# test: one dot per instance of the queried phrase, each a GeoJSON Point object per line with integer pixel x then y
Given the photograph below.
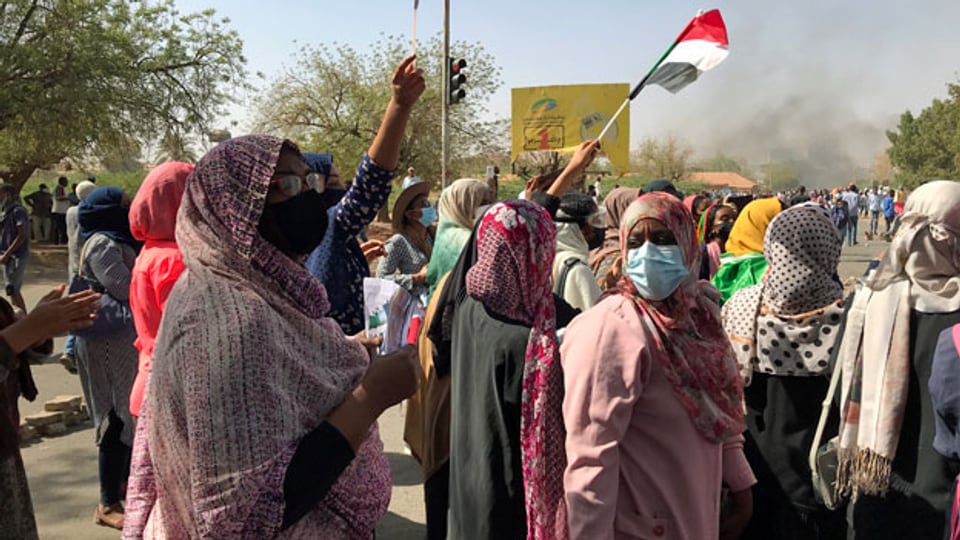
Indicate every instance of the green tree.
{"type": "Point", "coordinates": [667, 157]}
{"type": "Point", "coordinates": [335, 97]}
{"type": "Point", "coordinates": [927, 147]}
{"type": "Point", "coordinates": [174, 146]}
{"type": "Point", "coordinates": [781, 176]}
{"type": "Point", "coordinates": [80, 77]}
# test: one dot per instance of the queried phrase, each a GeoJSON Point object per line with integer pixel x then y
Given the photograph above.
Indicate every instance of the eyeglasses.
{"type": "Point", "coordinates": [293, 184]}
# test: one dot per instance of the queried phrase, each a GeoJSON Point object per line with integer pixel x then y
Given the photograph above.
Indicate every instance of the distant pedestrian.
{"type": "Point", "coordinates": [852, 198]}
{"type": "Point", "coordinates": [411, 178]}
{"type": "Point", "coordinates": [889, 212]}
{"type": "Point", "coordinates": [840, 217]}
{"type": "Point", "coordinates": [73, 197]}
{"type": "Point", "coordinates": [41, 205]}
{"type": "Point", "coordinates": [14, 243]}
{"type": "Point", "coordinates": [107, 361]}
{"type": "Point", "coordinates": [60, 205]}
{"type": "Point", "coordinates": [873, 203]}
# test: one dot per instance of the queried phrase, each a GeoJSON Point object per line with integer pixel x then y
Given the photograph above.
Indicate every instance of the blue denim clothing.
{"type": "Point", "coordinates": [338, 261]}
{"type": "Point", "coordinates": [12, 219]}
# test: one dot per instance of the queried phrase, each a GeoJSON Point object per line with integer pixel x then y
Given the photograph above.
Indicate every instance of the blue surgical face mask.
{"type": "Point", "coordinates": [428, 215]}
{"type": "Point", "coordinates": [656, 271]}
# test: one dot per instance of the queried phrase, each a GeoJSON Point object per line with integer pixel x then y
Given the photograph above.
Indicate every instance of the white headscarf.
{"type": "Point", "coordinates": [926, 249]}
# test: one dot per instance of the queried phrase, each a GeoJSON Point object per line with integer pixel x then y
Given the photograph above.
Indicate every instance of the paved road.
{"type": "Point", "coordinates": [63, 470]}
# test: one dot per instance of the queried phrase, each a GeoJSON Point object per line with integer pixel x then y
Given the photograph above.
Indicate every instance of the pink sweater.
{"type": "Point", "coordinates": [637, 466]}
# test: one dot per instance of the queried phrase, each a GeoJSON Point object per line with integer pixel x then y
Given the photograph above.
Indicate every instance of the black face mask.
{"type": "Point", "coordinates": [723, 232]}
{"type": "Point", "coordinates": [596, 240]}
{"type": "Point", "coordinates": [295, 226]}
{"type": "Point", "coordinates": [332, 196]}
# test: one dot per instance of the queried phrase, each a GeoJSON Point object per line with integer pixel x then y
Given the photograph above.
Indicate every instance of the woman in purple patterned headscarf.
{"type": "Point", "coordinates": [253, 389]}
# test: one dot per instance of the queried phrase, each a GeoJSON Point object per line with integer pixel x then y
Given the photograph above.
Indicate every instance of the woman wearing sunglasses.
{"type": "Point", "coordinates": [260, 416]}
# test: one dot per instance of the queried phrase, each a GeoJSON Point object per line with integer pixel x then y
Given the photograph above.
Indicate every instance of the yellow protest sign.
{"type": "Point", "coordinates": [561, 117]}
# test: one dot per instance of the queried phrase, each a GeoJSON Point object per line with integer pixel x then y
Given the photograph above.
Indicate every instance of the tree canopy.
{"type": "Point", "coordinates": [667, 157]}
{"type": "Point", "coordinates": [334, 97]}
{"type": "Point", "coordinates": [927, 146]}
{"type": "Point", "coordinates": [94, 76]}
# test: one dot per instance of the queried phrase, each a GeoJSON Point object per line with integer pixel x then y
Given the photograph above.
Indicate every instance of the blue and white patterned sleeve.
{"type": "Point", "coordinates": [364, 199]}
{"type": "Point", "coordinates": [392, 264]}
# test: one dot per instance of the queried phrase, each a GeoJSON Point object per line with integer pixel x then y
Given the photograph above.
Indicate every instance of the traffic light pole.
{"type": "Point", "coordinates": [445, 94]}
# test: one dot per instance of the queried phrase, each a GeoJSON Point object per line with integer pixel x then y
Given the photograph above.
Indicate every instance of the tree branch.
{"type": "Point", "coordinates": [23, 23]}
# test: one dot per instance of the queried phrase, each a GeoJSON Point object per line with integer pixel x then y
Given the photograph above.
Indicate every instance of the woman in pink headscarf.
{"type": "Point", "coordinates": [153, 219]}
{"type": "Point", "coordinates": [652, 403]}
{"type": "Point", "coordinates": [505, 465]}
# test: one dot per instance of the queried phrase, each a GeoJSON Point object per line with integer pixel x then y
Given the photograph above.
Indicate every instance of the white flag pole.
{"type": "Point", "coordinates": [416, 4]}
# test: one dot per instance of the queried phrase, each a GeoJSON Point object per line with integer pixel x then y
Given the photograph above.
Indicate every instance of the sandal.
{"type": "Point", "coordinates": [109, 516]}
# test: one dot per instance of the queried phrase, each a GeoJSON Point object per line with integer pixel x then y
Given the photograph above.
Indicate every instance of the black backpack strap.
{"type": "Point", "coordinates": [568, 264]}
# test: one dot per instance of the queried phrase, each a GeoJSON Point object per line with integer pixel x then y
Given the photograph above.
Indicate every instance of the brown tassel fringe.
{"type": "Point", "coordinates": [862, 471]}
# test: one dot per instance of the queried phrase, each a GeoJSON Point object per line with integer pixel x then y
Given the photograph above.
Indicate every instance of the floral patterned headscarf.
{"type": "Point", "coordinates": [689, 341]}
{"type": "Point", "coordinates": [516, 244]}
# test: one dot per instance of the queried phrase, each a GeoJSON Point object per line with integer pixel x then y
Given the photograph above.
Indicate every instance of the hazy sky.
{"type": "Point", "coordinates": [819, 80]}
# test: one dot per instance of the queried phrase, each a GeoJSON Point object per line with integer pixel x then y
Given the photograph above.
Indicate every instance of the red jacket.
{"type": "Point", "coordinates": [153, 217]}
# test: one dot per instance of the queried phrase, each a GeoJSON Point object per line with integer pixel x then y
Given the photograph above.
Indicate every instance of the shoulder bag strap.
{"type": "Point", "coordinates": [568, 264]}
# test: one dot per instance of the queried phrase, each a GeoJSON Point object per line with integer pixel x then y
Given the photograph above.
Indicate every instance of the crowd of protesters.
{"type": "Point", "coordinates": [650, 366]}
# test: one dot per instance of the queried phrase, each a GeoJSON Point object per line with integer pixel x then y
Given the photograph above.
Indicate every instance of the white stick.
{"type": "Point", "coordinates": [613, 119]}
{"type": "Point", "coordinates": [414, 35]}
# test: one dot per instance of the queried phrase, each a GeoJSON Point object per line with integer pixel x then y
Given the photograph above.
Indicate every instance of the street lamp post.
{"type": "Point", "coordinates": [445, 92]}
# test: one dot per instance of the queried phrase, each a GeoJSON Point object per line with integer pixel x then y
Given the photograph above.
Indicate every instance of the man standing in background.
{"type": "Point", "coordinates": [873, 204]}
{"type": "Point", "coordinates": [410, 179]}
{"type": "Point", "coordinates": [852, 199]}
{"type": "Point", "coordinates": [14, 244]}
{"type": "Point", "coordinates": [888, 209]}
{"type": "Point", "coordinates": [41, 204]}
{"type": "Point", "coordinates": [61, 202]}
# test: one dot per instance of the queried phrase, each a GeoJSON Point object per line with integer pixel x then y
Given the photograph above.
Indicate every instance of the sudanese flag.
{"type": "Point", "coordinates": [701, 46]}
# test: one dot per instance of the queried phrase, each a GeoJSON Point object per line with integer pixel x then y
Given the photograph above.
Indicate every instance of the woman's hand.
{"type": "Point", "coordinates": [407, 86]}
{"type": "Point", "coordinates": [393, 377]}
{"type": "Point", "coordinates": [389, 380]}
{"type": "Point", "coordinates": [371, 344]}
{"type": "Point", "coordinates": [408, 83]}
{"type": "Point", "coordinates": [54, 315]}
{"type": "Point", "coordinates": [733, 525]}
{"type": "Point", "coordinates": [373, 250]}
{"type": "Point", "coordinates": [421, 276]}
{"type": "Point", "coordinates": [613, 274]}
{"type": "Point", "coordinates": [582, 159]}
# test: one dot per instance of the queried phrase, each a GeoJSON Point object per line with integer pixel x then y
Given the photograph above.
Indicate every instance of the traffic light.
{"type": "Point", "coordinates": [457, 79]}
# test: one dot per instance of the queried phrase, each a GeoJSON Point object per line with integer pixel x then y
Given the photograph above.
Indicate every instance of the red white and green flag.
{"type": "Point", "coordinates": [700, 47]}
